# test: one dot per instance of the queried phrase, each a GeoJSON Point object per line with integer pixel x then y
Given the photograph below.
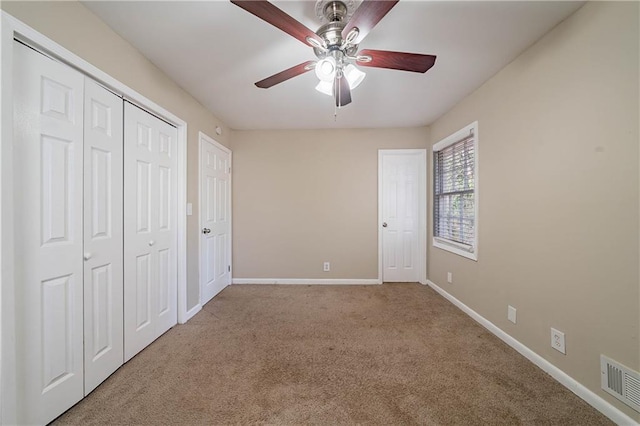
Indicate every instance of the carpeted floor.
{"type": "Point", "coordinates": [390, 354]}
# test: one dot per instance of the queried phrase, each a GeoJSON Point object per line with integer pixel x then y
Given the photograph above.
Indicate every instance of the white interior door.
{"type": "Point", "coordinates": [401, 214]}
{"type": "Point", "coordinates": [150, 221]}
{"type": "Point", "coordinates": [48, 108]}
{"type": "Point", "coordinates": [103, 280]}
{"type": "Point", "coordinates": [215, 217]}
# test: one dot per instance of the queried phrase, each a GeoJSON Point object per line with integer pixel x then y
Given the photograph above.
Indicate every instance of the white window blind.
{"type": "Point", "coordinates": [455, 191]}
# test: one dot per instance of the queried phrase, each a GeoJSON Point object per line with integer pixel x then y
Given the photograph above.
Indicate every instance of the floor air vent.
{"type": "Point", "coordinates": [621, 382]}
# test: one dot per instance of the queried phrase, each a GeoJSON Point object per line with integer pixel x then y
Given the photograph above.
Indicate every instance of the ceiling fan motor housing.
{"type": "Point", "coordinates": [335, 12]}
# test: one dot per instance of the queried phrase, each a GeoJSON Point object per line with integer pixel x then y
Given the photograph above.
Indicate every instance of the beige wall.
{"type": "Point", "coordinates": [559, 194]}
{"type": "Point", "coordinates": [73, 26]}
{"type": "Point", "coordinates": [559, 184]}
{"type": "Point", "coordinates": [302, 197]}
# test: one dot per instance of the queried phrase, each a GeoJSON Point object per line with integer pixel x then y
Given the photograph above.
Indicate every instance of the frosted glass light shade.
{"type": "Point", "coordinates": [326, 69]}
{"type": "Point", "coordinates": [325, 87]}
{"type": "Point", "coordinates": [354, 76]}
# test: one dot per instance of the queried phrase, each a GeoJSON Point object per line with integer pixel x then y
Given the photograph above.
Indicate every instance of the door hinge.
{"type": "Point", "coordinates": [229, 170]}
{"type": "Point", "coordinates": [229, 268]}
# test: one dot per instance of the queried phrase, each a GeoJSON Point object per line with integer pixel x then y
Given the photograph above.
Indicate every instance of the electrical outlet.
{"type": "Point", "coordinates": [326, 267]}
{"type": "Point", "coordinates": [511, 314]}
{"type": "Point", "coordinates": [557, 340]}
{"type": "Point", "coordinates": [449, 277]}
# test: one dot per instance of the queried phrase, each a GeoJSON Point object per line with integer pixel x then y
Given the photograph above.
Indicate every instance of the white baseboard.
{"type": "Point", "coordinates": [191, 312]}
{"type": "Point", "coordinates": [306, 281]}
{"type": "Point", "coordinates": [567, 381]}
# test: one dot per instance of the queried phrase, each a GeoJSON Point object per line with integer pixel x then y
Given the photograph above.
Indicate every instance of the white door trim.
{"type": "Point", "coordinates": [13, 28]}
{"type": "Point", "coordinates": [422, 210]}
{"type": "Point", "coordinates": [204, 137]}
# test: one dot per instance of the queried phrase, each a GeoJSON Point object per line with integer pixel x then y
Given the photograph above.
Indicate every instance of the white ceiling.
{"type": "Point", "coordinates": [217, 51]}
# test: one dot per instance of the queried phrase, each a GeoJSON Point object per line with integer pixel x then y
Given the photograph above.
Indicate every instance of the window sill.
{"type": "Point", "coordinates": [459, 249]}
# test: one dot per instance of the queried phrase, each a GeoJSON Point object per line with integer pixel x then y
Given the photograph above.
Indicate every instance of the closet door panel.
{"type": "Point", "coordinates": [166, 229]}
{"type": "Point", "coordinates": [103, 235]}
{"type": "Point", "coordinates": [150, 238]}
{"type": "Point", "coordinates": [48, 110]}
{"type": "Point", "coordinates": [140, 257]}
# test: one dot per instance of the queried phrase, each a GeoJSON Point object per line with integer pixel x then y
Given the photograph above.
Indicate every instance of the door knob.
{"type": "Point", "coordinates": [151, 243]}
{"type": "Point", "coordinates": [384, 224]}
{"type": "Point", "coordinates": [206, 230]}
{"type": "Point", "coordinates": [87, 256]}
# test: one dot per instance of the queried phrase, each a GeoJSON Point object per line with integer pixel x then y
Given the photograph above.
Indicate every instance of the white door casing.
{"type": "Point", "coordinates": [215, 218]}
{"type": "Point", "coordinates": [402, 214]}
{"type": "Point", "coordinates": [103, 239]}
{"type": "Point", "coordinates": [150, 244]}
{"type": "Point", "coordinates": [48, 143]}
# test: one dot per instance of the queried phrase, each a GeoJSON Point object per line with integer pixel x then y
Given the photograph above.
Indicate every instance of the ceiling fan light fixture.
{"type": "Point", "coordinates": [326, 69]}
{"type": "Point", "coordinates": [354, 76]}
{"type": "Point", "coordinates": [325, 87]}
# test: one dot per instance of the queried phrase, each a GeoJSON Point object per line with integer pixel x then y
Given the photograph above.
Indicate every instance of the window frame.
{"type": "Point", "coordinates": [470, 252]}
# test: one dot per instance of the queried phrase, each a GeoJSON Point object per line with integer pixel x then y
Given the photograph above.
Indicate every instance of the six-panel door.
{"type": "Point", "coordinates": [48, 152]}
{"type": "Point", "coordinates": [150, 258]}
{"type": "Point", "coordinates": [215, 209]}
{"type": "Point", "coordinates": [103, 239]}
{"type": "Point", "coordinates": [400, 180]}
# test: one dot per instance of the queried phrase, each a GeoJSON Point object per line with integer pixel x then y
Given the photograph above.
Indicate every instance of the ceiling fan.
{"type": "Point", "coordinates": [335, 44]}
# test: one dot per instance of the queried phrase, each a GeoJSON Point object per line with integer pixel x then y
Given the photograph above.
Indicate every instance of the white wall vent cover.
{"type": "Point", "coordinates": [621, 382]}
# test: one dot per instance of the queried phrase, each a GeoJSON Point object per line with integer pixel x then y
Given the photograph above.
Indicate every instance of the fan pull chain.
{"type": "Point", "coordinates": [338, 101]}
{"type": "Point", "coordinates": [336, 107]}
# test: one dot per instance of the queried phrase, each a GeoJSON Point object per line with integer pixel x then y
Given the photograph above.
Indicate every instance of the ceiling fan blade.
{"type": "Point", "coordinates": [286, 74]}
{"type": "Point", "coordinates": [414, 62]}
{"type": "Point", "coordinates": [276, 17]}
{"type": "Point", "coordinates": [341, 91]}
{"type": "Point", "coordinates": [366, 16]}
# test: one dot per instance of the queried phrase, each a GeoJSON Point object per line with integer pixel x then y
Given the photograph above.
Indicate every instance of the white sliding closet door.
{"type": "Point", "coordinates": [103, 279]}
{"type": "Point", "coordinates": [48, 150]}
{"type": "Point", "coordinates": [150, 210]}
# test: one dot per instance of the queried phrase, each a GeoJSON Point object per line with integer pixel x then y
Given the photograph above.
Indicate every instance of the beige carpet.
{"type": "Point", "coordinates": [390, 354]}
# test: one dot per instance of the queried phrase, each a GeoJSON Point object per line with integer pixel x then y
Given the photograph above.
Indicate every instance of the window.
{"type": "Point", "coordinates": [455, 192]}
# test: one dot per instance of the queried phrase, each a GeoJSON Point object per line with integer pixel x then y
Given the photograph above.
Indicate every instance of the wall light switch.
{"type": "Point", "coordinates": [189, 209]}
{"type": "Point", "coordinates": [511, 314]}
{"type": "Point", "coordinates": [449, 277]}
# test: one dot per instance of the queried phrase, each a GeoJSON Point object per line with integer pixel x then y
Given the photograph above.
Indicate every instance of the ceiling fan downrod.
{"type": "Point", "coordinates": [335, 11]}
